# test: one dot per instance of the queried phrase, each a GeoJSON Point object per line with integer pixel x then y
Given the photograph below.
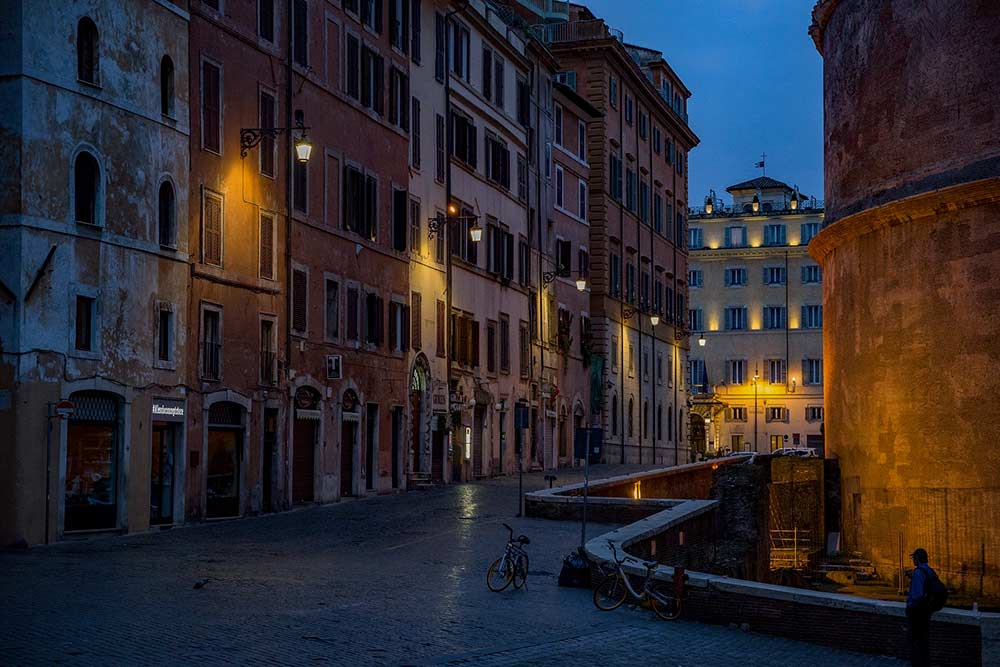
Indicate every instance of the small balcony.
{"type": "Point", "coordinates": [576, 31]}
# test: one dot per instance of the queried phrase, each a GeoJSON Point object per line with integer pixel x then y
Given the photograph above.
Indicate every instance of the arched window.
{"type": "Point", "coordinates": [167, 86]}
{"type": "Point", "coordinates": [614, 415]}
{"type": "Point", "coordinates": [88, 63]}
{"type": "Point", "coordinates": [168, 216]}
{"type": "Point", "coordinates": [86, 186]}
{"type": "Point", "coordinates": [631, 421]}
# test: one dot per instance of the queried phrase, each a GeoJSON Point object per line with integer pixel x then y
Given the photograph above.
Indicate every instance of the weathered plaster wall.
{"type": "Point", "coordinates": [911, 255]}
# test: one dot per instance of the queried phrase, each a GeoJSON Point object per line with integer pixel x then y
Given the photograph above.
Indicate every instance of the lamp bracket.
{"type": "Point", "coordinates": [250, 137]}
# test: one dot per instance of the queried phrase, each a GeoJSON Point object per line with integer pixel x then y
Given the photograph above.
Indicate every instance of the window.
{"type": "Point", "coordinates": [399, 24]}
{"type": "Point", "coordinates": [268, 359]}
{"type": "Point", "coordinates": [775, 414]}
{"type": "Point", "coordinates": [331, 325]}
{"type": "Point", "coordinates": [87, 186]}
{"type": "Point", "coordinates": [168, 216]}
{"type": "Point", "coordinates": [814, 413]}
{"type": "Point", "coordinates": [644, 287]}
{"type": "Point", "coordinates": [560, 180]}
{"type": "Point", "coordinates": [615, 267]}
{"type": "Point", "coordinates": [440, 36]}
{"type": "Point", "coordinates": [581, 140]}
{"type": "Point", "coordinates": [522, 177]}
{"type": "Point", "coordinates": [360, 203]}
{"type": "Point", "coordinates": [498, 81]}
{"type": "Point", "coordinates": [371, 14]}
{"type": "Point", "coordinates": [459, 51]}
{"type": "Point", "coordinates": [774, 317]}
{"type": "Point", "coordinates": [372, 78]}
{"type": "Point", "coordinates": [523, 263]}
{"type": "Point", "coordinates": [416, 321]}
{"type": "Point", "coordinates": [811, 273]}
{"type": "Point", "coordinates": [679, 223]}
{"type": "Point", "coordinates": [439, 329]}
{"type": "Point", "coordinates": [809, 230]}
{"type": "Point", "coordinates": [497, 161]}
{"type": "Point", "coordinates": [630, 282]}
{"type": "Point", "coordinates": [614, 415]}
{"type": "Point", "coordinates": [211, 222]}
{"type": "Point", "coordinates": [774, 275]}
{"type": "Point", "coordinates": [524, 349]}
{"type": "Point", "coordinates": [300, 34]}
{"type": "Point", "coordinates": [643, 125]}
{"type": "Point", "coordinates": [658, 297]}
{"type": "Point", "coordinates": [416, 238]}
{"type": "Point", "coordinates": [211, 343]}
{"type": "Point", "coordinates": [300, 301]}
{"type": "Point", "coordinates": [644, 202]}
{"type": "Point", "coordinates": [165, 335]}
{"type": "Point", "coordinates": [613, 91]}
{"type": "Point", "coordinates": [463, 141]}
{"type": "Point", "coordinates": [812, 371]}
{"type": "Point", "coordinates": [737, 414]}
{"type": "Point", "coordinates": [415, 15]}
{"type": "Point", "coordinates": [735, 276]}
{"type": "Point", "coordinates": [564, 257]}
{"type": "Point", "coordinates": [523, 101]}
{"type": "Point", "coordinates": [440, 148]}
{"type": "Point", "coordinates": [582, 198]}
{"type": "Point", "coordinates": [616, 177]}
{"type": "Point", "coordinates": [400, 222]}
{"type": "Point", "coordinates": [669, 153]}
{"type": "Point", "coordinates": [736, 371]}
{"type": "Point", "coordinates": [504, 343]}
{"type": "Point", "coordinates": [659, 368]}
{"type": "Point", "coordinates": [353, 333]}
{"type": "Point", "coordinates": [774, 235]}
{"type": "Point", "coordinates": [776, 372]}
{"type": "Point", "coordinates": [614, 354]}
{"type": "Point", "coordinates": [736, 318]}
{"type": "Point", "coordinates": [265, 19]}
{"type": "Point", "coordinates": [736, 237]}
{"type": "Point", "coordinates": [631, 360]}
{"type": "Point", "coordinates": [373, 319]}
{"type": "Point", "coordinates": [211, 107]}
{"type": "Point", "coordinates": [300, 186]}
{"type": "Point", "coordinates": [812, 316]}
{"type": "Point", "coordinates": [657, 140]}
{"type": "Point", "coordinates": [658, 213]}
{"type": "Point", "coordinates": [696, 373]}
{"type": "Point", "coordinates": [629, 111]}
{"type": "Point", "coordinates": [399, 99]}
{"type": "Point", "coordinates": [88, 62]}
{"type": "Point", "coordinates": [167, 86]}
{"type": "Point", "coordinates": [583, 259]}
{"type": "Point", "coordinates": [630, 190]}
{"type": "Point", "coordinates": [500, 248]}
{"type": "Point", "coordinates": [696, 278]}
{"type": "Point", "coordinates": [461, 245]}
{"type": "Point", "coordinates": [84, 323]}
{"type": "Point", "coordinates": [267, 144]}
{"type": "Point", "coordinates": [557, 122]}
{"type": "Point", "coordinates": [267, 247]}
{"type": "Point", "coordinates": [353, 79]}
{"type": "Point", "coordinates": [695, 320]}
{"type": "Point", "coordinates": [399, 327]}
{"type": "Point", "coordinates": [695, 238]}
{"type": "Point", "coordinates": [415, 133]}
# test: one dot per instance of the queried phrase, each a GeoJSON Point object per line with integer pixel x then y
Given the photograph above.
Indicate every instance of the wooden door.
{"type": "Point", "coordinates": [437, 456]}
{"type": "Point", "coordinates": [417, 419]}
{"type": "Point", "coordinates": [304, 461]}
{"type": "Point", "coordinates": [348, 436]}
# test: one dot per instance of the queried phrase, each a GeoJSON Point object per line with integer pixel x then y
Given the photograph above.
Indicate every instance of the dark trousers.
{"type": "Point", "coordinates": [919, 626]}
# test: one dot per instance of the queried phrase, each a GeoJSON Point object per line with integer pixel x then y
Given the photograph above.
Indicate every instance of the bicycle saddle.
{"type": "Point", "coordinates": [523, 539]}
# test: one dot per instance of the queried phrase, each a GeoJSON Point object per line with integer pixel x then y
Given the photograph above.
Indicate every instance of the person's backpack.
{"type": "Point", "coordinates": [935, 594]}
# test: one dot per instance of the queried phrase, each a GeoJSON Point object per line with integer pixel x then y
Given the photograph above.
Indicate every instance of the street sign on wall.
{"type": "Point", "coordinates": [64, 409]}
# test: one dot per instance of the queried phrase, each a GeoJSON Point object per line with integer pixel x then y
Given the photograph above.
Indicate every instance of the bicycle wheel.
{"type": "Point", "coordinates": [521, 571]}
{"type": "Point", "coordinates": [663, 601]}
{"type": "Point", "coordinates": [500, 574]}
{"type": "Point", "coordinates": [610, 593]}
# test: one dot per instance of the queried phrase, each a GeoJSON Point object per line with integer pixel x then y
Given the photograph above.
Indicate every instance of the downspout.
{"type": "Point", "coordinates": [621, 269]}
{"type": "Point", "coordinates": [539, 304]}
{"type": "Point", "coordinates": [289, 162]}
{"type": "Point", "coordinates": [638, 241]}
{"type": "Point", "coordinates": [652, 281]}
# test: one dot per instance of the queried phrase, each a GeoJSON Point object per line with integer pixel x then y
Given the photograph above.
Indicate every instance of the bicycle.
{"type": "Point", "coordinates": [615, 588]}
{"type": "Point", "coordinates": [512, 567]}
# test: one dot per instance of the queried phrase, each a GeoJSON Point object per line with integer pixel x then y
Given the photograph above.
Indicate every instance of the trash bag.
{"type": "Point", "coordinates": [575, 571]}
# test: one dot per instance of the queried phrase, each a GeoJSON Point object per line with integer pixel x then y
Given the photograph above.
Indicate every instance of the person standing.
{"type": "Point", "coordinates": [918, 609]}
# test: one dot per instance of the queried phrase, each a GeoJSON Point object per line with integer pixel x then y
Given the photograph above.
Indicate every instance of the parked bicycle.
{"type": "Point", "coordinates": [615, 588]}
{"type": "Point", "coordinates": [512, 567]}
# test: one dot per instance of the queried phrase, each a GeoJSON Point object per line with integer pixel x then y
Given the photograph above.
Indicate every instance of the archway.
{"type": "Point", "coordinates": [419, 465]}
{"type": "Point", "coordinates": [350, 417]}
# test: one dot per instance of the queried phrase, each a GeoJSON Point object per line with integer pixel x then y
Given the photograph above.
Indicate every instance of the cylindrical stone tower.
{"type": "Point", "coordinates": [910, 252]}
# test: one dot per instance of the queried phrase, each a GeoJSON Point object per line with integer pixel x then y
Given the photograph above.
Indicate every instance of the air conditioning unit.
{"type": "Point", "coordinates": [334, 367]}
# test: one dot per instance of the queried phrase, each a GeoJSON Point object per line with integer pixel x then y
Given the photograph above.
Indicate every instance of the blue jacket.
{"type": "Point", "coordinates": [917, 583]}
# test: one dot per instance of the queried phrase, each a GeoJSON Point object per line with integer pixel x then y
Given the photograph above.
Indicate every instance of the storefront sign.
{"type": "Point", "coordinates": [167, 410]}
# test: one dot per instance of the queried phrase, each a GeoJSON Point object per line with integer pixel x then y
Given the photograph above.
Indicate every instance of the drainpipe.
{"type": "Point", "coordinates": [621, 302]}
{"type": "Point", "coordinates": [638, 242]}
{"type": "Point", "coordinates": [652, 280]}
{"type": "Point", "coordinates": [539, 298]}
{"type": "Point", "coordinates": [289, 165]}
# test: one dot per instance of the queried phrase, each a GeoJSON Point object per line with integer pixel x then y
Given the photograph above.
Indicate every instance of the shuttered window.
{"type": "Point", "coordinates": [416, 336]}
{"type": "Point", "coordinates": [211, 107]}
{"type": "Point", "coordinates": [267, 246]}
{"type": "Point", "coordinates": [440, 329]}
{"type": "Point", "coordinates": [212, 229]}
{"type": "Point", "coordinates": [300, 295]}
{"type": "Point", "coordinates": [353, 323]}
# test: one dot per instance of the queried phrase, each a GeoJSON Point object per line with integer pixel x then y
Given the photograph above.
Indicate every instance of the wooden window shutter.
{"type": "Point", "coordinates": [352, 314]}
{"type": "Point", "coordinates": [299, 295]}
{"type": "Point", "coordinates": [415, 321]}
{"type": "Point", "coordinates": [440, 330]}
{"type": "Point", "coordinates": [474, 342]}
{"type": "Point", "coordinates": [213, 230]}
{"type": "Point", "coordinates": [267, 247]}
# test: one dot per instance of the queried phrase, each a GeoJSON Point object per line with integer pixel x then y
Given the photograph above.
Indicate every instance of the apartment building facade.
{"type": "Point", "coordinates": [756, 320]}
{"type": "Point", "coordinates": [93, 384]}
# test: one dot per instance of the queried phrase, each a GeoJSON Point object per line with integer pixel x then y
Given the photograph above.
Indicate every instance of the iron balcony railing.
{"type": "Point", "coordinates": [210, 356]}
{"type": "Point", "coordinates": [267, 368]}
{"type": "Point", "coordinates": [809, 207]}
{"type": "Point", "coordinates": [577, 31]}
{"type": "Point", "coordinates": [552, 9]}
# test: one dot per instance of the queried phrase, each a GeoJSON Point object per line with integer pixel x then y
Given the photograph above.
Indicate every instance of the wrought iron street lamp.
{"type": "Point", "coordinates": [701, 340]}
{"type": "Point", "coordinates": [250, 137]}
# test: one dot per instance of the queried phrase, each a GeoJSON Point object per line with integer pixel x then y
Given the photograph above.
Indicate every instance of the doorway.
{"type": "Point", "coordinates": [479, 416]}
{"type": "Point", "coordinates": [270, 456]}
{"type": "Point", "coordinates": [417, 417]}
{"type": "Point", "coordinates": [223, 484]}
{"type": "Point", "coordinates": [92, 456]}
{"type": "Point", "coordinates": [437, 454]}
{"type": "Point", "coordinates": [348, 444]}
{"type": "Point", "coordinates": [371, 446]}
{"type": "Point", "coordinates": [161, 473]}
{"type": "Point", "coordinates": [304, 461]}
{"type": "Point", "coordinates": [397, 445]}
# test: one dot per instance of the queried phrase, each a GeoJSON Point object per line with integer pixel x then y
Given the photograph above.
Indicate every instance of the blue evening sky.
{"type": "Point", "coordinates": [755, 79]}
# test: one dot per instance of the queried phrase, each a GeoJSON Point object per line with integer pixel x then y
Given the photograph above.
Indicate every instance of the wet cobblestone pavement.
{"type": "Point", "coordinates": [391, 580]}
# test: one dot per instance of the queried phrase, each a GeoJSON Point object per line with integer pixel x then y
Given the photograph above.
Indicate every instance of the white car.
{"type": "Point", "coordinates": [805, 452]}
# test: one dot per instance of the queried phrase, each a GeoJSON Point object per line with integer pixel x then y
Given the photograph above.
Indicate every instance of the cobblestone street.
{"type": "Point", "coordinates": [397, 580]}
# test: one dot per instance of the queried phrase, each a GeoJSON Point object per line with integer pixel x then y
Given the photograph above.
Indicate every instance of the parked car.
{"type": "Point", "coordinates": [804, 452]}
